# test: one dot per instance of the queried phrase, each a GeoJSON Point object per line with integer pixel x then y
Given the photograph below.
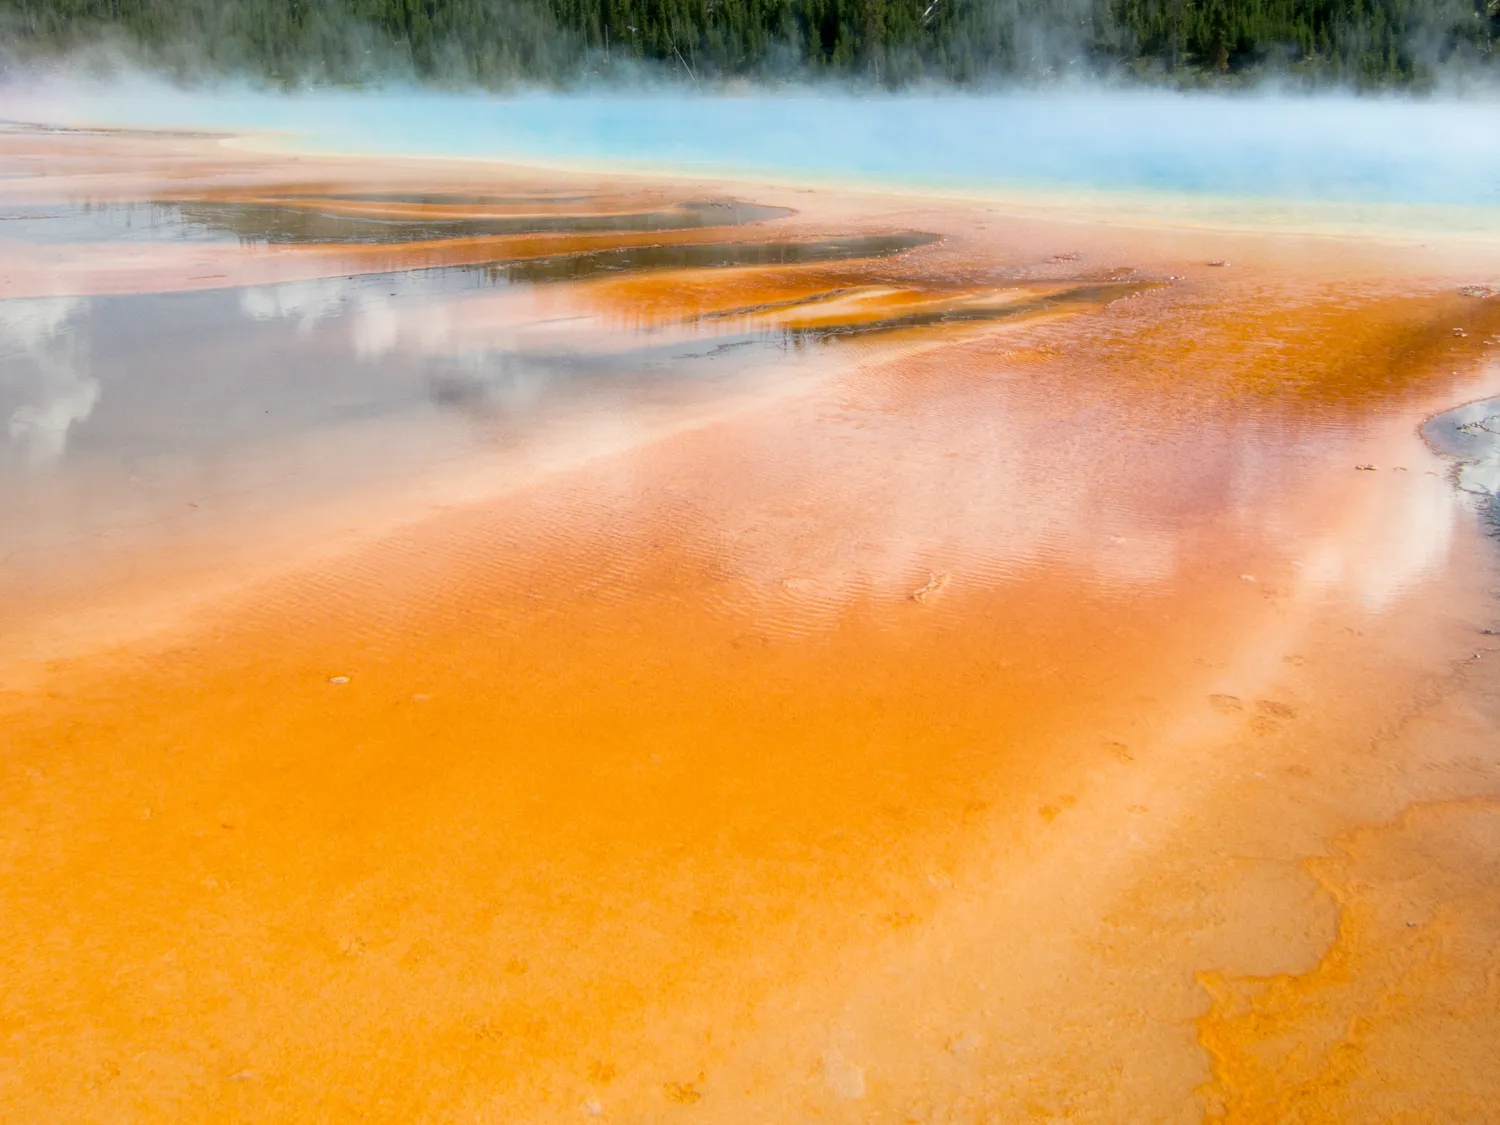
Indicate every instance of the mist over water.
{"type": "Point", "coordinates": [1269, 146]}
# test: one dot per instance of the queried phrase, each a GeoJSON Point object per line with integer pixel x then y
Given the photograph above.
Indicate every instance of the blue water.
{"type": "Point", "coordinates": [1331, 148]}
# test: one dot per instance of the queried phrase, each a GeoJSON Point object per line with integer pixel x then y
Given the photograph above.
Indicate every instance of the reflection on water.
{"type": "Point", "coordinates": [294, 218]}
{"type": "Point", "coordinates": [45, 363]}
{"type": "Point", "coordinates": [707, 255]}
{"type": "Point", "coordinates": [440, 199]}
{"type": "Point", "coordinates": [139, 405]}
{"type": "Point", "coordinates": [157, 373]}
{"type": "Point", "coordinates": [180, 372]}
{"type": "Point", "coordinates": [52, 223]}
{"type": "Point", "coordinates": [143, 405]}
{"type": "Point", "coordinates": [143, 408]}
{"type": "Point", "coordinates": [269, 222]}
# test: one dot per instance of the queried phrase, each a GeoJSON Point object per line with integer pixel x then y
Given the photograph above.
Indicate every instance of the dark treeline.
{"type": "Point", "coordinates": [885, 42]}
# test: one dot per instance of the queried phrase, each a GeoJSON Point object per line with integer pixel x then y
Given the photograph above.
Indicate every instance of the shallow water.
{"type": "Point", "coordinates": [267, 221]}
{"type": "Point", "coordinates": [1432, 150]}
{"type": "Point", "coordinates": [130, 413]}
{"type": "Point", "coordinates": [131, 408]}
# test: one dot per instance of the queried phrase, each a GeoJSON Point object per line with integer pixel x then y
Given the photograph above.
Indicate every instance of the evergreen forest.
{"type": "Point", "coordinates": [885, 43]}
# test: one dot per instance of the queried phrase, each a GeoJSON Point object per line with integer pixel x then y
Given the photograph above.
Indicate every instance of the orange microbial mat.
{"type": "Point", "coordinates": [486, 645]}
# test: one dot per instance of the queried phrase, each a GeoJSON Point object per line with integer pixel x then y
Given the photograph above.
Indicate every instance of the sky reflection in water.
{"type": "Point", "coordinates": [102, 387]}
{"type": "Point", "coordinates": [143, 408]}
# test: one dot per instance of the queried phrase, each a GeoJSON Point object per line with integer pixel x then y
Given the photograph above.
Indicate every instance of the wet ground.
{"type": "Point", "coordinates": [860, 658]}
{"type": "Point", "coordinates": [1469, 435]}
{"type": "Point", "coordinates": [291, 216]}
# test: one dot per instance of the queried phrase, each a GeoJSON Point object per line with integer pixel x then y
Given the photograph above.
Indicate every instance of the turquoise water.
{"type": "Point", "coordinates": [1373, 150]}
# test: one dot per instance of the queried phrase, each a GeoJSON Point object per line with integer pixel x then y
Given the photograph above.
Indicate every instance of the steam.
{"type": "Point", "coordinates": [506, 45]}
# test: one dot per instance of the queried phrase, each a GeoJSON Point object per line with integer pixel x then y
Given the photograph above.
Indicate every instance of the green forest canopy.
{"type": "Point", "coordinates": [887, 42]}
